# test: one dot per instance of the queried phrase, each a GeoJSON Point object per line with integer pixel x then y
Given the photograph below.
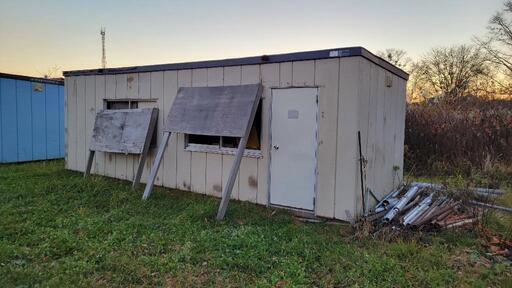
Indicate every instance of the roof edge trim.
{"type": "Point", "coordinates": [254, 60]}
{"type": "Point", "coordinates": [31, 79]}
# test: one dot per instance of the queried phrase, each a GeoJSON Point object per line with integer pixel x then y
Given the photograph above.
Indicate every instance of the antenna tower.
{"type": "Point", "coordinates": [103, 54]}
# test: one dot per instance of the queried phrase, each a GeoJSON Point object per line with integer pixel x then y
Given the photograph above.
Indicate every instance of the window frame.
{"type": "Point", "coordinates": [131, 102]}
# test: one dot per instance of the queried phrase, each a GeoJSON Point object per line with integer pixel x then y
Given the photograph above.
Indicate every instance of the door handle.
{"type": "Point", "coordinates": [276, 147]}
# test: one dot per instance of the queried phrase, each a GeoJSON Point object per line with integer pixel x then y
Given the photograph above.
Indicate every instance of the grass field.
{"type": "Point", "coordinates": [59, 230]}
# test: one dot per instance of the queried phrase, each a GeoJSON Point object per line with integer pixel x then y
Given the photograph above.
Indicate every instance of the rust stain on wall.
{"type": "Point", "coordinates": [252, 181]}
{"type": "Point", "coordinates": [109, 157]}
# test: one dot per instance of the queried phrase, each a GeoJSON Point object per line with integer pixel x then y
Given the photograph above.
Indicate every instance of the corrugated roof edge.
{"type": "Point", "coordinates": [264, 59]}
{"type": "Point", "coordinates": [32, 79]}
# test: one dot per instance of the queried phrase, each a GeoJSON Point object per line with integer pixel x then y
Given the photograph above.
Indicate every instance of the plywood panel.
{"type": "Point", "coordinates": [90, 112]}
{"type": "Point", "coordinates": [346, 164]}
{"type": "Point", "coordinates": [285, 74]}
{"type": "Point", "coordinates": [198, 160]}
{"type": "Point", "coordinates": [269, 78]}
{"type": "Point", "coordinates": [144, 91]}
{"type": "Point", "coordinates": [215, 111]}
{"type": "Point", "coordinates": [170, 158]}
{"type": "Point", "coordinates": [80, 114]}
{"type": "Point", "coordinates": [303, 73]}
{"type": "Point", "coordinates": [110, 93]}
{"type": "Point", "coordinates": [132, 91]}
{"type": "Point", "coordinates": [121, 160]}
{"type": "Point", "coordinates": [326, 77]}
{"type": "Point", "coordinates": [214, 161]}
{"type": "Point", "coordinates": [232, 76]}
{"type": "Point", "coordinates": [183, 157]}
{"type": "Point", "coordinates": [99, 157]}
{"type": "Point", "coordinates": [248, 182]}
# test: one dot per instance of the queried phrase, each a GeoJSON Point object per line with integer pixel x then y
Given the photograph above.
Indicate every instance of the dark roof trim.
{"type": "Point", "coordinates": [264, 59]}
{"type": "Point", "coordinates": [32, 79]}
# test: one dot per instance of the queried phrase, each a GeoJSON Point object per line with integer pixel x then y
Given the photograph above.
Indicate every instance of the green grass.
{"type": "Point", "coordinates": [59, 230]}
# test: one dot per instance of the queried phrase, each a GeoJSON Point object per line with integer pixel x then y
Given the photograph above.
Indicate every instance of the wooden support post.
{"type": "Point", "coordinates": [89, 163]}
{"type": "Point", "coordinates": [140, 168]}
{"type": "Point", "coordinates": [226, 194]}
{"type": "Point", "coordinates": [145, 150]}
{"type": "Point", "coordinates": [156, 165]}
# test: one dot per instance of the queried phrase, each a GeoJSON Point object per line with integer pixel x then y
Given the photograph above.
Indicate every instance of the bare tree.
{"type": "Point", "coordinates": [498, 44]}
{"type": "Point", "coordinates": [451, 72]}
{"type": "Point", "coordinates": [397, 57]}
{"type": "Point", "coordinates": [52, 73]}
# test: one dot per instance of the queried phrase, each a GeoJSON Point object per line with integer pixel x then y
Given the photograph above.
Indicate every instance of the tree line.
{"type": "Point", "coordinates": [480, 68]}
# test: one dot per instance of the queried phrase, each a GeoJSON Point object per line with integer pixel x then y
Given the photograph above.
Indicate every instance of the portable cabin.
{"type": "Point", "coordinates": [31, 118]}
{"type": "Point", "coordinates": [303, 149]}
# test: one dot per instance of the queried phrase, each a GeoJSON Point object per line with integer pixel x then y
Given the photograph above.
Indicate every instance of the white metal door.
{"type": "Point", "coordinates": [293, 147]}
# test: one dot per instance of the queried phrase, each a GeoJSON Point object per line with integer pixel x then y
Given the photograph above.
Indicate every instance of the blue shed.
{"type": "Point", "coordinates": [31, 118]}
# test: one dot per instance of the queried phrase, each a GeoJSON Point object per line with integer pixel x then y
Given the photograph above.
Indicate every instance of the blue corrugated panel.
{"type": "Point", "coordinates": [39, 124]}
{"type": "Point", "coordinates": [9, 135]}
{"type": "Point", "coordinates": [52, 121]}
{"type": "Point", "coordinates": [24, 113]}
{"type": "Point", "coordinates": [61, 120]}
{"type": "Point", "coordinates": [31, 119]}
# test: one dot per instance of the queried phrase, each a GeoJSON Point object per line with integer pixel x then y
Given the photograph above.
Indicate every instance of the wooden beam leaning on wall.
{"type": "Point", "coordinates": [124, 131]}
{"type": "Point", "coordinates": [214, 111]}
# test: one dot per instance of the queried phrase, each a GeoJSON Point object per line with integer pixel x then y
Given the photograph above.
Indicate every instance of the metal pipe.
{"type": "Point", "coordinates": [418, 210]}
{"type": "Point", "coordinates": [392, 194]}
{"type": "Point", "coordinates": [486, 205]}
{"type": "Point", "coordinates": [401, 203]}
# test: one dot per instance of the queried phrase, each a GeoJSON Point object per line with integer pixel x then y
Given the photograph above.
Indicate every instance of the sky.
{"type": "Point", "coordinates": [37, 36]}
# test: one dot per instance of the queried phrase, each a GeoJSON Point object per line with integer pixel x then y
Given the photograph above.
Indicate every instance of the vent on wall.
{"type": "Point", "coordinates": [389, 80]}
{"type": "Point", "coordinates": [37, 87]}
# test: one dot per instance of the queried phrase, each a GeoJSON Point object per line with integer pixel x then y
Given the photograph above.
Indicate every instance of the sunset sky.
{"type": "Point", "coordinates": [38, 35]}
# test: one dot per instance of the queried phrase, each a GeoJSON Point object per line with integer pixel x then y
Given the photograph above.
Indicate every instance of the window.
{"type": "Point", "coordinates": [228, 145]}
{"type": "Point", "coordinates": [114, 104]}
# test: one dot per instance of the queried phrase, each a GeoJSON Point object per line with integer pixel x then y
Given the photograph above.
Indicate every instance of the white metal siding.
{"type": "Point", "coordinates": [352, 96]}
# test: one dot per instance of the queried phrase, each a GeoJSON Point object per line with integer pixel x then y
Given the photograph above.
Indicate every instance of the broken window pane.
{"type": "Point", "coordinates": [203, 139]}
{"type": "Point", "coordinates": [116, 105]}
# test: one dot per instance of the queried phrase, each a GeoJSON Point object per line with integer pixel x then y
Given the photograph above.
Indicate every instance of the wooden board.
{"type": "Point", "coordinates": [122, 131]}
{"type": "Point", "coordinates": [217, 111]}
